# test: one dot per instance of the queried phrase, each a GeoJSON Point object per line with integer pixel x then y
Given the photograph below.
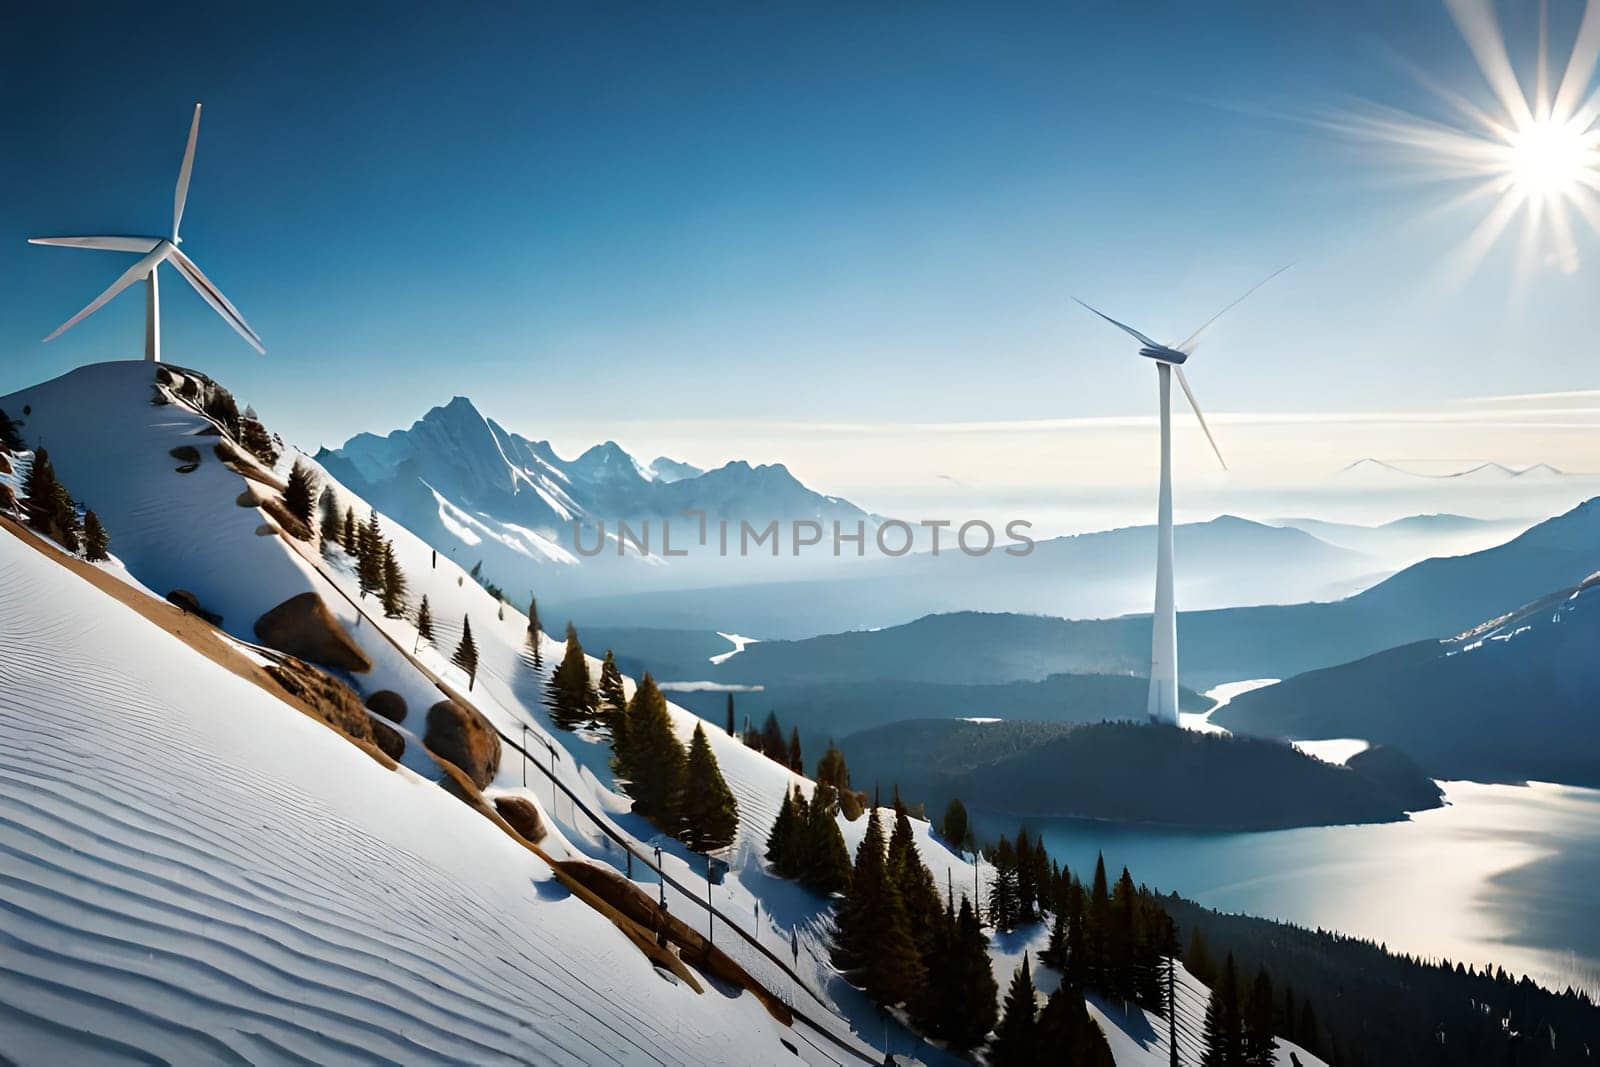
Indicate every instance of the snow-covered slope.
{"type": "Point", "coordinates": [139, 773]}
{"type": "Point", "coordinates": [198, 872]}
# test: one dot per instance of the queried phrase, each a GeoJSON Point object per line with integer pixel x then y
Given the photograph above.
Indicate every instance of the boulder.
{"type": "Point", "coordinates": [303, 626]}
{"type": "Point", "coordinates": [462, 736]}
{"type": "Point", "coordinates": [191, 604]}
{"type": "Point", "coordinates": [328, 698]}
{"type": "Point", "coordinates": [523, 816]}
{"type": "Point", "coordinates": [387, 738]}
{"type": "Point", "coordinates": [389, 704]}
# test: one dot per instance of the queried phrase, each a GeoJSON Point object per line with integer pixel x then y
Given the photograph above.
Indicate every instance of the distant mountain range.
{"type": "Point", "coordinates": [1227, 561]}
{"type": "Point", "coordinates": [479, 492]}
{"type": "Point", "coordinates": [1476, 471]}
{"type": "Point", "coordinates": [1416, 537]}
{"type": "Point", "coordinates": [1436, 596]}
{"type": "Point", "coordinates": [1511, 699]}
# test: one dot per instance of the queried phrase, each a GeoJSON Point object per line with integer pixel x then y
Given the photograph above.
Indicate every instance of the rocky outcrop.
{"type": "Point", "coordinates": [389, 704]}
{"type": "Point", "coordinates": [303, 626]}
{"type": "Point", "coordinates": [462, 736]}
{"type": "Point", "coordinates": [523, 816]}
{"type": "Point", "coordinates": [191, 604]}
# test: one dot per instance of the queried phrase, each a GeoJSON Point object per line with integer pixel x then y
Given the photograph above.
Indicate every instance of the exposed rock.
{"type": "Point", "coordinates": [303, 626]}
{"type": "Point", "coordinates": [248, 498]}
{"type": "Point", "coordinates": [523, 816]}
{"type": "Point", "coordinates": [387, 738]}
{"type": "Point", "coordinates": [389, 704]}
{"type": "Point", "coordinates": [5, 464]}
{"type": "Point", "coordinates": [188, 458]}
{"type": "Point", "coordinates": [8, 499]}
{"type": "Point", "coordinates": [191, 604]}
{"type": "Point", "coordinates": [465, 738]}
{"type": "Point", "coordinates": [329, 699]}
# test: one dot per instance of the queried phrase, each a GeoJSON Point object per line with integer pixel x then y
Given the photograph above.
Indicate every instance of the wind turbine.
{"type": "Point", "coordinates": [1162, 705]}
{"type": "Point", "coordinates": [156, 251]}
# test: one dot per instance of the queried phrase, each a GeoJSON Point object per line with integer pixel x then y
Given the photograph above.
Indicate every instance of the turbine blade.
{"type": "Point", "coordinates": [1183, 381]}
{"type": "Point", "coordinates": [1194, 339]}
{"type": "Point", "coordinates": [1122, 326]}
{"type": "Point", "coordinates": [213, 296]}
{"type": "Point", "coordinates": [182, 194]}
{"type": "Point", "coordinates": [133, 274]}
{"type": "Point", "coordinates": [109, 244]}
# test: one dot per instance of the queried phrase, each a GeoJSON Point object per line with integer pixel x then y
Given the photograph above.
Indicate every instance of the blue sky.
{"type": "Point", "coordinates": [684, 228]}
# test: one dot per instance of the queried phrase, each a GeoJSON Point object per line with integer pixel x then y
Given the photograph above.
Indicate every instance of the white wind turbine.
{"type": "Point", "coordinates": [155, 251]}
{"type": "Point", "coordinates": [1162, 705]}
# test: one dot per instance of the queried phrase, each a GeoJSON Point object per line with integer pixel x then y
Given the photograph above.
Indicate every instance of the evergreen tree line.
{"type": "Point", "coordinates": [52, 511]}
{"type": "Point", "coordinates": [1375, 1007]}
{"type": "Point", "coordinates": [378, 570]}
{"type": "Point", "coordinates": [1112, 940]}
{"type": "Point", "coordinates": [770, 742]}
{"type": "Point", "coordinates": [1240, 1023]}
{"type": "Point", "coordinates": [905, 947]}
{"type": "Point", "coordinates": [681, 792]}
{"type": "Point", "coordinates": [1063, 1033]}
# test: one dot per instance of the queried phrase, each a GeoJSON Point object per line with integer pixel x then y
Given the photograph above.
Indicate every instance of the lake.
{"type": "Point", "coordinates": [1502, 874]}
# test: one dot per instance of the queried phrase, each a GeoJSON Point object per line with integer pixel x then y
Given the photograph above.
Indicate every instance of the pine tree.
{"type": "Point", "coordinates": [96, 542]}
{"type": "Point", "coordinates": [914, 882]}
{"type": "Point", "coordinates": [300, 494]}
{"type": "Point", "coordinates": [466, 655]}
{"type": "Point", "coordinates": [1016, 1038]}
{"type": "Point", "coordinates": [1075, 966]}
{"type": "Point", "coordinates": [1097, 930]}
{"type": "Point", "coordinates": [347, 537]}
{"type": "Point", "coordinates": [652, 760]}
{"type": "Point", "coordinates": [1258, 1043]}
{"type": "Point", "coordinates": [824, 859]}
{"type": "Point", "coordinates": [1003, 906]}
{"type": "Point", "coordinates": [781, 838]}
{"type": "Point", "coordinates": [425, 621]}
{"type": "Point", "coordinates": [1120, 939]}
{"type": "Point", "coordinates": [731, 732]}
{"type": "Point", "coordinates": [49, 509]}
{"type": "Point", "coordinates": [710, 814]}
{"type": "Point", "coordinates": [831, 768]}
{"type": "Point", "coordinates": [534, 633]}
{"type": "Point", "coordinates": [1027, 886]}
{"type": "Point", "coordinates": [872, 939]}
{"type": "Point", "coordinates": [954, 827]}
{"type": "Point", "coordinates": [369, 549]}
{"type": "Point", "coordinates": [1067, 1034]}
{"type": "Point", "coordinates": [969, 1003]}
{"type": "Point", "coordinates": [572, 698]}
{"type": "Point", "coordinates": [1197, 958]}
{"type": "Point", "coordinates": [796, 764]}
{"type": "Point", "coordinates": [394, 584]}
{"type": "Point", "coordinates": [1308, 1032]}
{"type": "Point", "coordinates": [329, 505]}
{"type": "Point", "coordinates": [772, 740]}
{"type": "Point", "coordinates": [1221, 1038]}
{"type": "Point", "coordinates": [613, 702]}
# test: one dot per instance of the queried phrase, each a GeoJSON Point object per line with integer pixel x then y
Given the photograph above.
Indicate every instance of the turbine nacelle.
{"type": "Point", "coordinates": [1163, 354]}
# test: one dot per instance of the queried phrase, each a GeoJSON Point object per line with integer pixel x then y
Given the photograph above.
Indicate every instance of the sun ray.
{"type": "Point", "coordinates": [1475, 19]}
{"type": "Point", "coordinates": [1537, 153]}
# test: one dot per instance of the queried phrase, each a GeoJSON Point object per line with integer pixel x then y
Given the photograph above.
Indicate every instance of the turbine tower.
{"type": "Point", "coordinates": [1162, 705]}
{"type": "Point", "coordinates": [154, 252]}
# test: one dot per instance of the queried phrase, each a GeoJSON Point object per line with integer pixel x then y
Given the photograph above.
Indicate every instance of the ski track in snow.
{"type": "Point", "coordinates": [164, 901]}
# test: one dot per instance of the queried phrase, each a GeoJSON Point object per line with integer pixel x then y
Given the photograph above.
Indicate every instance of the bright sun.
{"type": "Point", "coordinates": [1550, 158]}
{"type": "Point", "coordinates": [1532, 152]}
